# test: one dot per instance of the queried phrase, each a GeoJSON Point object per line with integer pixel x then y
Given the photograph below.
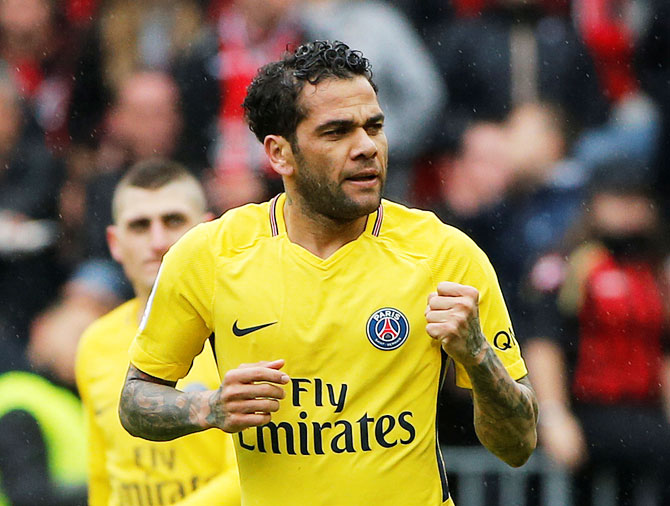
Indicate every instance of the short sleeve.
{"type": "Point", "coordinates": [474, 269]}
{"type": "Point", "coordinates": [178, 319]}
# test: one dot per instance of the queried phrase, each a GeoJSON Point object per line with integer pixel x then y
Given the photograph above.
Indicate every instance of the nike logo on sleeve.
{"type": "Point", "coordinates": [239, 332]}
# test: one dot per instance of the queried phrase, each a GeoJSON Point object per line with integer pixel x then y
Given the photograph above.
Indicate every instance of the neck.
{"type": "Point", "coordinates": [319, 234]}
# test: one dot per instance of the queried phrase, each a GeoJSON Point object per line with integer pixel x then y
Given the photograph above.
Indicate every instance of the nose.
{"type": "Point", "coordinates": [364, 146]}
{"type": "Point", "coordinates": [159, 237]}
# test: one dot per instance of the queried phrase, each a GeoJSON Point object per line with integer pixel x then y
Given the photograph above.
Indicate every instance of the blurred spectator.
{"type": "Point", "coordinates": [475, 183]}
{"type": "Point", "coordinates": [80, 13]}
{"type": "Point", "coordinates": [522, 53]}
{"type": "Point", "coordinates": [39, 53]}
{"type": "Point", "coordinates": [545, 197]}
{"type": "Point", "coordinates": [606, 28]}
{"type": "Point", "coordinates": [42, 443]}
{"type": "Point", "coordinates": [42, 452]}
{"type": "Point", "coordinates": [144, 122]}
{"type": "Point", "coordinates": [652, 57]}
{"type": "Point", "coordinates": [250, 33]}
{"type": "Point", "coordinates": [610, 29]}
{"type": "Point", "coordinates": [598, 358]}
{"type": "Point", "coordinates": [96, 287]}
{"type": "Point", "coordinates": [514, 190]}
{"type": "Point", "coordinates": [127, 37]}
{"type": "Point", "coordinates": [29, 183]}
{"type": "Point", "coordinates": [426, 14]}
{"type": "Point", "coordinates": [410, 90]}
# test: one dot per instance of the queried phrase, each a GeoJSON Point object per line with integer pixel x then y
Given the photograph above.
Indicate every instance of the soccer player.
{"type": "Point", "coordinates": [332, 359]}
{"type": "Point", "coordinates": [155, 203]}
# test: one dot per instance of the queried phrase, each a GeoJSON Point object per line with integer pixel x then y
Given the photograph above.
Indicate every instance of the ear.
{"type": "Point", "coordinates": [279, 152]}
{"type": "Point", "coordinates": [113, 242]}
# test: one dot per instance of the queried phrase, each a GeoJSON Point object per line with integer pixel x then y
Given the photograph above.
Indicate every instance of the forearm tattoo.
{"type": "Point", "coordinates": [154, 409]}
{"type": "Point", "coordinates": [505, 410]}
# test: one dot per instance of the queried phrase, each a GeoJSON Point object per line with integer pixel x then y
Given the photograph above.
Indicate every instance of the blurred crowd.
{"type": "Point", "coordinates": [539, 127]}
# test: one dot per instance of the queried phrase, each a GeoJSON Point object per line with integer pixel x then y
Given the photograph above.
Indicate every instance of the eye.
{"type": "Point", "coordinates": [138, 226]}
{"type": "Point", "coordinates": [375, 128]}
{"type": "Point", "coordinates": [336, 132]}
{"type": "Point", "coordinates": [174, 220]}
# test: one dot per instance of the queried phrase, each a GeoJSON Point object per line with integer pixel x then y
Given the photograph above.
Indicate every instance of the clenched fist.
{"type": "Point", "coordinates": [453, 320]}
{"type": "Point", "coordinates": [248, 396]}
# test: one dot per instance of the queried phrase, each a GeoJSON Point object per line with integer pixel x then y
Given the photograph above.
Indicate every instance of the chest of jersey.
{"type": "Point", "coordinates": [351, 328]}
{"type": "Point", "coordinates": [364, 373]}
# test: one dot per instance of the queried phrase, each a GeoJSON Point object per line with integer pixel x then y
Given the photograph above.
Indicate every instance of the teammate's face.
{"type": "Point", "coordinates": [148, 222]}
{"type": "Point", "coordinates": [340, 149]}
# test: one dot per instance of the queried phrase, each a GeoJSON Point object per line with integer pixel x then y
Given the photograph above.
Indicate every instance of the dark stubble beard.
{"type": "Point", "coordinates": [326, 198]}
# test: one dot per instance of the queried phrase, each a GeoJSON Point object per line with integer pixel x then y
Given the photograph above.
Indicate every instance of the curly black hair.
{"type": "Point", "coordinates": [271, 106]}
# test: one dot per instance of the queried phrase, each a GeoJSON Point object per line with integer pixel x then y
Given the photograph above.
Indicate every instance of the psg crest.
{"type": "Point", "coordinates": [387, 329]}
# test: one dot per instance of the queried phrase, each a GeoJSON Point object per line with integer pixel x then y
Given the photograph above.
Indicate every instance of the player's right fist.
{"type": "Point", "coordinates": [452, 318]}
{"type": "Point", "coordinates": [248, 395]}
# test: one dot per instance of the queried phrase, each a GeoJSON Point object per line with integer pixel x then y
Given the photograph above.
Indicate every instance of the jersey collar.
{"type": "Point", "coordinates": [278, 225]}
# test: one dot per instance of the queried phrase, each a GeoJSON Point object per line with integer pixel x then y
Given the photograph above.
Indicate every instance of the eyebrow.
{"type": "Point", "coordinates": [375, 119]}
{"type": "Point", "coordinates": [140, 220]}
{"type": "Point", "coordinates": [345, 123]}
{"type": "Point", "coordinates": [165, 216]}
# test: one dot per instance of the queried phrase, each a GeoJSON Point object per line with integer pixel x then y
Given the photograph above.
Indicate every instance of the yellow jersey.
{"type": "Point", "coordinates": [358, 424]}
{"type": "Point", "coordinates": [198, 469]}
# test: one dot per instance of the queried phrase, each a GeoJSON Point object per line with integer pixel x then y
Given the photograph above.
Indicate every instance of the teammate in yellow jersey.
{"type": "Point", "coordinates": [154, 205]}
{"type": "Point", "coordinates": [331, 357]}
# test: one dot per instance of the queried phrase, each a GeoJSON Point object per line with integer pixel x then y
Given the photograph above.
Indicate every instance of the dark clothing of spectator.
{"type": "Point", "coordinates": [652, 59]}
{"type": "Point", "coordinates": [99, 194]}
{"type": "Point", "coordinates": [515, 60]}
{"type": "Point", "coordinates": [196, 74]}
{"type": "Point", "coordinates": [29, 269]}
{"type": "Point", "coordinates": [426, 14]}
{"type": "Point", "coordinates": [90, 96]}
{"type": "Point", "coordinates": [30, 180]}
{"type": "Point", "coordinates": [40, 466]}
{"type": "Point", "coordinates": [94, 87]}
{"type": "Point", "coordinates": [23, 465]}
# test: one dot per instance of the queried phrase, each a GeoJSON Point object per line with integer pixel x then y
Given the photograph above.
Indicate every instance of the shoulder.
{"type": "Point", "coordinates": [422, 233]}
{"type": "Point", "coordinates": [110, 322]}
{"type": "Point", "coordinates": [105, 335]}
{"type": "Point", "coordinates": [231, 233]}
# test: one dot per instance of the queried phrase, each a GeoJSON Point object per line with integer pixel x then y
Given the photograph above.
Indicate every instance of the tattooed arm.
{"type": "Point", "coordinates": [152, 408]}
{"type": "Point", "coordinates": [505, 410]}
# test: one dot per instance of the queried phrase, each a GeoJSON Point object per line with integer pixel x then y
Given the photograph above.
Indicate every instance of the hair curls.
{"type": "Point", "coordinates": [271, 106]}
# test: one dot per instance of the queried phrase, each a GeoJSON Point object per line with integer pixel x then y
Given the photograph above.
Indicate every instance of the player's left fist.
{"type": "Point", "coordinates": [452, 318]}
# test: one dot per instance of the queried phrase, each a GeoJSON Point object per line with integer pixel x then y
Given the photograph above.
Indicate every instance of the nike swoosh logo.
{"type": "Point", "coordinates": [239, 332]}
